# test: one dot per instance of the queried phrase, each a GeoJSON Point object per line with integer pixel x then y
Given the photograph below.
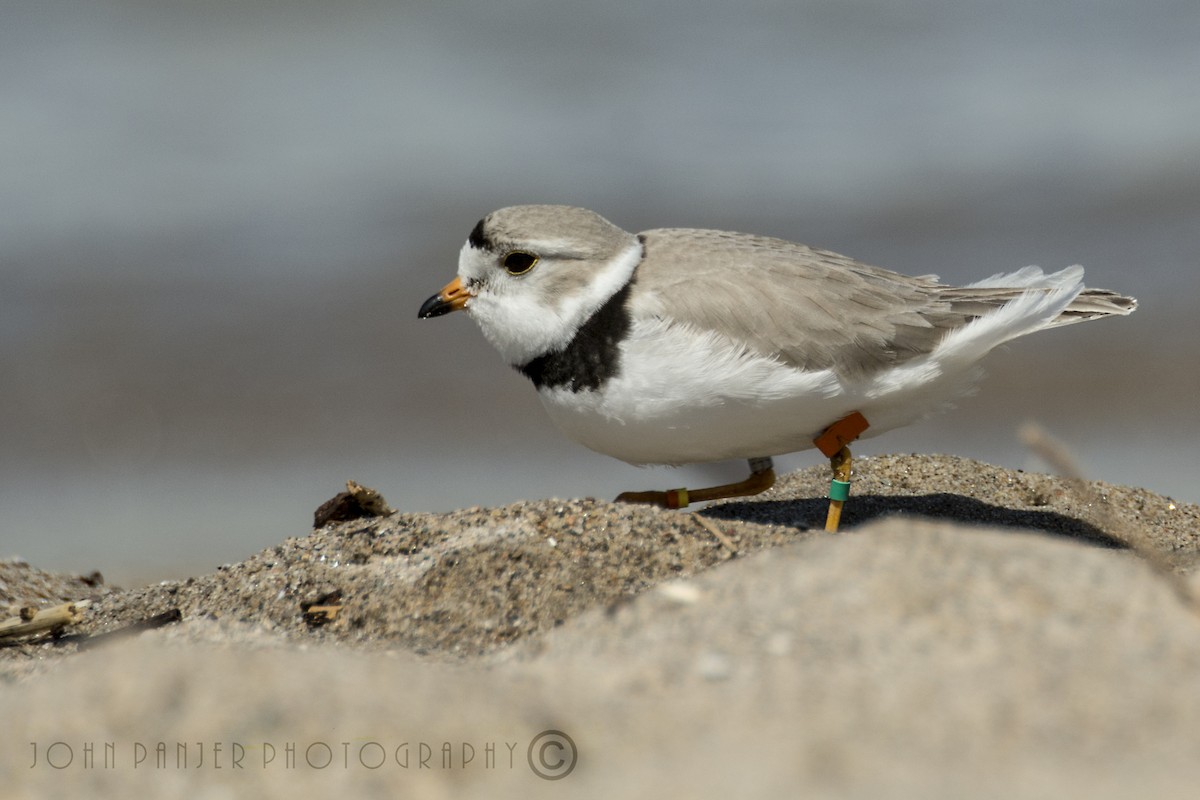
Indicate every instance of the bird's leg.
{"type": "Point", "coordinates": [833, 442]}
{"type": "Point", "coordinates": [839, 488]}
{"type": "Point", "coordinates": [762, 477]}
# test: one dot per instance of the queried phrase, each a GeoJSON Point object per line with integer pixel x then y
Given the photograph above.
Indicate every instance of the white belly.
{"type": "Point", "coordinates": [685, 396]}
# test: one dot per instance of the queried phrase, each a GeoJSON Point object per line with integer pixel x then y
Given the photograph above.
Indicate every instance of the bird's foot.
{"type": "Point", "coordinates": [762, 477]}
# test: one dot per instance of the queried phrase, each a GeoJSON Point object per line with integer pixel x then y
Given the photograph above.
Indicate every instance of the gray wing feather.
{"type": "Point", "coordinates": [810, 308]}
{"type": "Point", "coordinates": [814, 309]}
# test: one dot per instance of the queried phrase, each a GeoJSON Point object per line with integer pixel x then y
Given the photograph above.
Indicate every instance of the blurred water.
{"type": "Point", "coordinates": [217, 221]}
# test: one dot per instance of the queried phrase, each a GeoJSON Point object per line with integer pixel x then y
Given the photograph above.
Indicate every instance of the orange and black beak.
{"type": "Point", "coordinates": [452, 297]}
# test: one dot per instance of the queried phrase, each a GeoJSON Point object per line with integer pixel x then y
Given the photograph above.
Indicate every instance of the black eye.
{"type": "Point", "coordinates": [518, 262]}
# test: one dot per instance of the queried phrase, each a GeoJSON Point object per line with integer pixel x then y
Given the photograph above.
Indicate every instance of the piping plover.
{"type": "Point", "coordinates": [678, 346]}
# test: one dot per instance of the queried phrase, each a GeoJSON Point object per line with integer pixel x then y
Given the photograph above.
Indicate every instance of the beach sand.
{"type": "Point", "coordinates": [972, 631]}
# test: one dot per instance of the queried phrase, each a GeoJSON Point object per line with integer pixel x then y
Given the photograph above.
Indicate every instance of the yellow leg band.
{"type": "Point", "coordinates": [677, 498]}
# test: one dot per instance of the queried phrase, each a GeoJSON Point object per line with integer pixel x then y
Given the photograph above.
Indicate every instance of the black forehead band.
{"type": "Point", "coordinates": [478, 239]}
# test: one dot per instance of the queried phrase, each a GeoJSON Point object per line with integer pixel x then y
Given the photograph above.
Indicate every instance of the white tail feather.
{"type": "Point", "coordinates": [1029, 312]}
{"type": "Point", "coordinates": [1031, 278]}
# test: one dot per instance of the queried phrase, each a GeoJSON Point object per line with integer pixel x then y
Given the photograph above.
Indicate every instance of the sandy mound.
{"type": "Point", "coordinates": [904, 657]}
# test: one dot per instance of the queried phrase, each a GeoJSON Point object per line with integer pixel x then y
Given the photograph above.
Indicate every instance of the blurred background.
{"type": "Point", "coordinates": [218, 220]}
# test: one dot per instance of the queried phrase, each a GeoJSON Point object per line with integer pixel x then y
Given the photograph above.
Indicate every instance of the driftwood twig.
{"type": "Point", "coordinates": [30, 622]}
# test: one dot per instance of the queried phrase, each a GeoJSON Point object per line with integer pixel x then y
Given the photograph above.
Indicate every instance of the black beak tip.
{"type": "Point", "coordinates": [434, 307]}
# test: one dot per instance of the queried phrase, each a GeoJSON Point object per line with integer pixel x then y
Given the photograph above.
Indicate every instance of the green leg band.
{"type": "Point", "coordinates": [839, 490]}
